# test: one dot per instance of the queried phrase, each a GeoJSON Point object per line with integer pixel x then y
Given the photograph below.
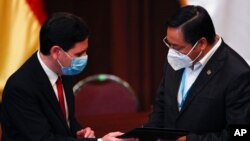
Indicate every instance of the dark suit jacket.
{"type": "Point", "coordinates": [220, 96]}
{"type": "Point", "coordinates": [30, 108]}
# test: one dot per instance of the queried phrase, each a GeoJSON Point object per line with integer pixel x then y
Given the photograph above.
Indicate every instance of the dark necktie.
{"type": "Point", "coordinates": [60, 95]}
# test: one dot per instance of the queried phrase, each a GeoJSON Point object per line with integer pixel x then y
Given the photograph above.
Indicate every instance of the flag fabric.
{"type": "Point", "coordinates": [20, 23]}
{"type": "Point", "coordinates": [231, 22]}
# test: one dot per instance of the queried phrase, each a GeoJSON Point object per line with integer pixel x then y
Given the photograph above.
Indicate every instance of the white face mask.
{"type": "Point", "coordinates": [178, 60]}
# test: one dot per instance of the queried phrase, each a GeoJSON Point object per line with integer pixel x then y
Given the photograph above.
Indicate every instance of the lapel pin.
{"type": "Point", "coordinates": [209, 72]}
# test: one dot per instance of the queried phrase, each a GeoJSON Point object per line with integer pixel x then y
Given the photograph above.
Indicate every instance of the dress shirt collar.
{"type": "Point", "coordinates": [204, 60]}
{"type": "Point", "coordinates": [51, 75]}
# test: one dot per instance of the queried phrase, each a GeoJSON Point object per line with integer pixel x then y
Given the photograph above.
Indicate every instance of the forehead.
{"type": "Point", "coordinates": [174, 35]}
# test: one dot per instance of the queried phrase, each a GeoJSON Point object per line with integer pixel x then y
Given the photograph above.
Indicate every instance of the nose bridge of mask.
{"type": "Point", "coordinates": [178, 52]}
{"type": "Point", "coordinates": [82, 57]}
{"type": "Point", "coordinates": [76, 58]}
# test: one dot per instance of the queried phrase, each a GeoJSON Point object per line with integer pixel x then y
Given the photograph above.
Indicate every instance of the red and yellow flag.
{"type": "Point", "coordinates": [20, 23]}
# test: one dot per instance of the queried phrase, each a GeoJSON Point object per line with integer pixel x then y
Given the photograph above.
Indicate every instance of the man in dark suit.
{"type": "Point", "coordinates": [206, 84]}
{"type": "Point", "coordinates": [38, 101]}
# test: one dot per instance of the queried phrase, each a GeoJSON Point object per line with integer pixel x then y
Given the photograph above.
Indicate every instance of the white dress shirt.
{"type": "Point", "coordinates": [52, 78]}
{"type": "Point", "coordinates": [191, 74]}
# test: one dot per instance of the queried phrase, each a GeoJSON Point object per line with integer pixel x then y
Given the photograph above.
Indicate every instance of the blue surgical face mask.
{"type": "Point", "coordinates": [77, 65]}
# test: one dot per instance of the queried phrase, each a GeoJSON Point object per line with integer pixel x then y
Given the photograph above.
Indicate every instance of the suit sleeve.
{"type": "Point", "coordinates": [237, 99]}
{"type": "Point", "coordinates": [75, 126]}
{"type": "Point", "coordinates": [157, 116]}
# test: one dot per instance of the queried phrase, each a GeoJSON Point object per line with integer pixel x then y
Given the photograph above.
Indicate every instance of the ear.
{"type": "Point", "coordinates": [203, 42]}
{"type": "Point", "coordinates": [55, 52]}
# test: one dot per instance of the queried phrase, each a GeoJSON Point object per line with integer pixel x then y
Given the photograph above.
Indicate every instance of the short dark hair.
{"type": "Point", "coordinates": [194, 22]}
{"type": "Point", "coordinates": [64, 30]}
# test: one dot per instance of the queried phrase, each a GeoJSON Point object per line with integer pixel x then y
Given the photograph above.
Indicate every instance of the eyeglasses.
{"type": "Point", "coordinates": [176, 48]}
{"type": "Point", "coordinates": [165, 41]}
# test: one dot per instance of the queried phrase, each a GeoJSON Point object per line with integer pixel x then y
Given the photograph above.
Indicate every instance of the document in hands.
{"type": "Point", "coordinates": [154, 133]}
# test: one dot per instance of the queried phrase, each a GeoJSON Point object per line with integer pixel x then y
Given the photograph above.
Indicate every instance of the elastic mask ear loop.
{"type": "Point", "coordinates": [197, 56]}
{"type": "Point", "coordinates": [193, 47]}
{"type": "Point", "coordinates": [59, 63]}
{"type": "Point", "coordinates": [67, 55]}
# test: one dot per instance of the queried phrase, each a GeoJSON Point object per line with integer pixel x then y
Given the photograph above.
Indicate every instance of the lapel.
{"type": "Point", "coordinates": [68, 93]}
{"type": "Point", "coordinates": [47, 90]}
{"type": "Point", "coordinates": [206, 75]}
{"type": "Point", "coordinates": [175, 80]}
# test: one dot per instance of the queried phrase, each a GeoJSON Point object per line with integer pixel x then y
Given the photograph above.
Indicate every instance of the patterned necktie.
{"type": "Point", "coordinates": [60, 95]}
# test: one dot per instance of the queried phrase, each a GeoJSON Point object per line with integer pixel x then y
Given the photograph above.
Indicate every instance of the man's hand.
{"type": "Point", "coordinates": [112, 137]}
{"type": "Point", "coordinates": [85, 133]}
{"type": "Point", "coordinates": [183, 138]}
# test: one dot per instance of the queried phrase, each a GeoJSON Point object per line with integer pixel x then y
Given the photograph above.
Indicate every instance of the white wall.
{"type": "Point", "coordinates": [232, 22]}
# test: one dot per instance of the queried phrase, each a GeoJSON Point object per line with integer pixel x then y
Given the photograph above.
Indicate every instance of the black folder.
{"type": "Point", "coordinates": [151, 134]}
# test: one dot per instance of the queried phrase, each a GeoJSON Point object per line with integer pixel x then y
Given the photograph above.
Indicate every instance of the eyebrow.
{"type": "Point", "coordinates": [81, 53]}
{"type": "Point", "coordinates": [173, 44]}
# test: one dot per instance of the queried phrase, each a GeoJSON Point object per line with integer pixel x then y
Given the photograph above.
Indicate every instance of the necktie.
{"type": "Point", "coordinates": [60, 95]}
